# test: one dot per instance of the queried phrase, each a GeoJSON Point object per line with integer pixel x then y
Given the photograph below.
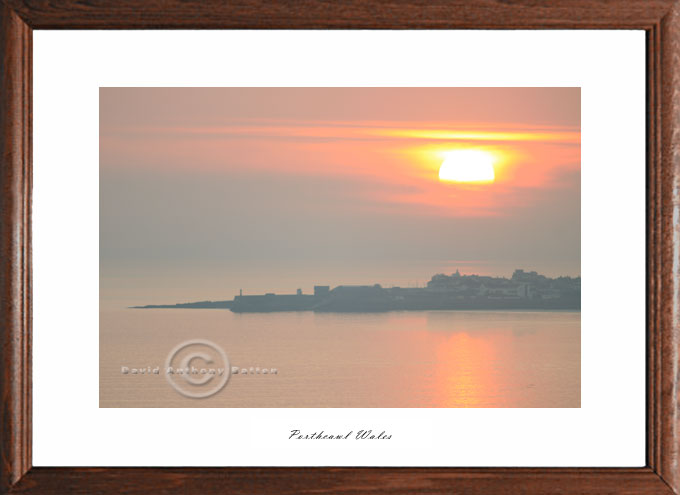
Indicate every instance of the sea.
{"type": "Point", "coordinates": [442, 359]}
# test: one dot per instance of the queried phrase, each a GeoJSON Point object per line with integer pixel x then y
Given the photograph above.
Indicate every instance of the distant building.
{"type": "Point", "coordinates": [321, 290]}
{"type": "Point", "coordinates": [524, 290]}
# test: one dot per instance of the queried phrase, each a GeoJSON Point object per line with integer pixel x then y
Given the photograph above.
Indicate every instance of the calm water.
{"type": "Point", "coordinates": [397, 359]}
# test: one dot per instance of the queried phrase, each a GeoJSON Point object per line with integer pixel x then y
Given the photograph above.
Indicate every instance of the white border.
{"type": "Point", "coordinates": [69, 67]}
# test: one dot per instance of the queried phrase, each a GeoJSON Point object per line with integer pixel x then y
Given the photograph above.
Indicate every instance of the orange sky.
{"type": "Point", "coordinates": [329, 156]}
{"type": "Point", "coordinates": [397, 155]}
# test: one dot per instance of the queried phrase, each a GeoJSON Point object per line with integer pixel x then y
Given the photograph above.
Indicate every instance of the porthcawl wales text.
{"type": "Point", "coordinates": [322, 435]}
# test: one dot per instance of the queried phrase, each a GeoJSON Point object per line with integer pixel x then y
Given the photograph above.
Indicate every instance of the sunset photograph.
{"type": "Point", "coordinates": [340, 247]}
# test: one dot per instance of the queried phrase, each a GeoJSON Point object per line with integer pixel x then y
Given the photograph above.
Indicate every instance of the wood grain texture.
{"type": "Point", "coordinates": [660, 19]}
{"type": "Point", "coordinates": [348, 481]}
{"type": "Point", "coordinates": [654, 246]}
{"type": "Point", "coordinates": [668, 368]}
{"type": "Point", "coordinates": [344, 14]}
{"type": "Point", "coordinates": [15, 248]}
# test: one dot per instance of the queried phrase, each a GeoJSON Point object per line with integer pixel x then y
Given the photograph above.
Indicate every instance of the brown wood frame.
{"type": "Point", "coordinates": [661, 21]}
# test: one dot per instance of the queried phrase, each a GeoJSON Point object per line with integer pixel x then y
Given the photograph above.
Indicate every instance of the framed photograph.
{"type": "Point", "coordinates": [390, 247]}
{"type": "Point", "coordinates": [287, 194]}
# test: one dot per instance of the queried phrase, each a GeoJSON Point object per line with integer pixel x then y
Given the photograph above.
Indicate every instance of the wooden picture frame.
{"type": "Point", "coordinates": [661, 21]}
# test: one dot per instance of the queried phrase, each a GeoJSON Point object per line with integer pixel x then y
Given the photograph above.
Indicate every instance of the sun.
{"type": "Point", "coordinates": [467, 166]}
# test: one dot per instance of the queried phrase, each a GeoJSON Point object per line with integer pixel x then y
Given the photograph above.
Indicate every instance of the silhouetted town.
{"type": "Point", "coordinates": [524, 290]}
